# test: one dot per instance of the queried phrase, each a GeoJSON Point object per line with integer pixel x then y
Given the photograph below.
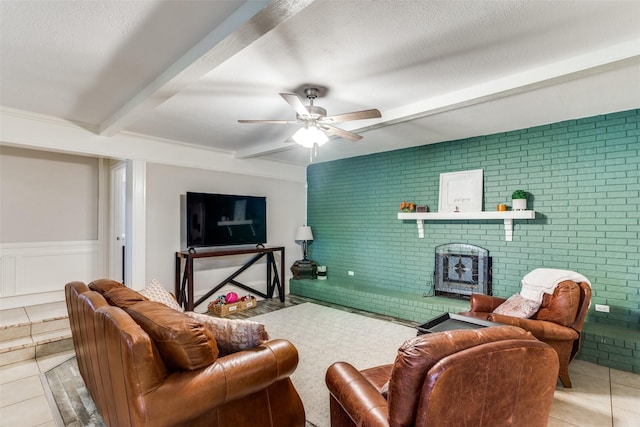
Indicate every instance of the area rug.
{"type": "Point", "coordinates": [325, 335]}
{"type": "Point", "coordinates": [321, 334]}
{"type": "Point", "coordinates": [68, 397]}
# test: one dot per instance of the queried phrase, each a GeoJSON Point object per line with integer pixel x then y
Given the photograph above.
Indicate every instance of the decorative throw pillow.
{"type": "Point", "coordinates": [518, 306]}
{"type": "Point", "coordinates": [183, 342]}
{"type": "Point", "coordinates": [232, 335]}
{"type": "Point", "coordinates": [155, 291]}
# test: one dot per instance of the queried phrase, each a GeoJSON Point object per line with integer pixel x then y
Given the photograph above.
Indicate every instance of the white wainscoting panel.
{"type": "Point", "coordinates": [36, 272]}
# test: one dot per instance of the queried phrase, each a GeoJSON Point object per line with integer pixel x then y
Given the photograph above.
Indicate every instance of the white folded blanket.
{"type": "Point", "coordinates": [544, 280]}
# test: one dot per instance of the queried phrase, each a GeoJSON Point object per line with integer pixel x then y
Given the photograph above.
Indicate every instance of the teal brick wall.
{"type": "Point", "coordinates": [583, 176]}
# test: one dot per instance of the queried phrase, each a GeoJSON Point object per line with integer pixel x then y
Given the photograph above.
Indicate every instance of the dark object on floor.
{"type": "Point", "coordinates": [452, 322]}
{"type": "Point", "coordinates": [503, 375]}
{"type": "Point", "coordinates": [304, 269]}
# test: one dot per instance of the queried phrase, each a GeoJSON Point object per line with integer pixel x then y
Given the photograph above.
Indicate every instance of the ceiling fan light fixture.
{"type": "Point", "coordinates": [308, 136]}
{"type": "Point", "coordinates": [317, 125]}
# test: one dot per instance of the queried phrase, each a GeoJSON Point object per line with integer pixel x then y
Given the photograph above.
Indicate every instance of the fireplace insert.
{"type": "Point", "coordinates": [462, 269]}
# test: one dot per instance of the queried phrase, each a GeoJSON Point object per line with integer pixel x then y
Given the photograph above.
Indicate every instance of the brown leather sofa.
{"type": "Point", "coordinates": [558, 322]}
{"type": "Point", "coordinates": [496, 376]}
{"type": "Point", "coordinates": [135, 380]}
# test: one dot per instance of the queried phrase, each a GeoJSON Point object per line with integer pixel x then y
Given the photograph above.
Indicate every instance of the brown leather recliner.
{"type": "Point", "coordinates": [496, 376]}
{"type": "Point", "coordinates": [558, 322]}
{"type": "Point", "coordinates": [132, 385]}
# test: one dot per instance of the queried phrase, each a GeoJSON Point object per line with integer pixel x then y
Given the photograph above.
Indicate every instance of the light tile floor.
{"type": "Point", "coordinates": [22, 397]}
{"type": "Point", "coordinates": [600, 396]}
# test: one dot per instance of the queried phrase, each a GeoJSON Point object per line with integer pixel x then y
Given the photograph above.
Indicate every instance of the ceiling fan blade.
{"type": "Point", "coordinates": [293, 100]}
{"type": "Point", "coordinates": [279, 122]}
{"type": "Point", "coordinates": [356, 115]}
{"type": "Point", "coordinates": [341, 132]}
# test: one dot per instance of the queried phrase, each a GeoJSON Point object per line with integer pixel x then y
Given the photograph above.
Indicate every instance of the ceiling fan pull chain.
{"type": "Point", "coordinates": [313, 153]}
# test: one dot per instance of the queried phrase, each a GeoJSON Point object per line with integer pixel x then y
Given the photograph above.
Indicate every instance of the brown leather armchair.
{"type": "Point", "coordinates": [558, 322]}
{"type": "Point", "coordinates": [496, 376]}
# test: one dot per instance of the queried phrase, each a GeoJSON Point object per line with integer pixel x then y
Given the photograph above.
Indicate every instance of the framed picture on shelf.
{"type": "Point", "coordinates": [461, 191]}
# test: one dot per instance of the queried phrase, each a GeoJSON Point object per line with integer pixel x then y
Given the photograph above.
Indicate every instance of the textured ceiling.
{"type": "Point", "coordinates": [437, 70]}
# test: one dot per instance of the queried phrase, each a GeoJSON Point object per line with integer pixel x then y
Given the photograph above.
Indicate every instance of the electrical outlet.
{"type": "Point", "coordinates": [351, 273]}
{"type": "Point", "coordinates": [603, 308]}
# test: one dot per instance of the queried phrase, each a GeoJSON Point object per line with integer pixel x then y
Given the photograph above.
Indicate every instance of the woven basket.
{"type": "Point", "coordinates": [223, 310]}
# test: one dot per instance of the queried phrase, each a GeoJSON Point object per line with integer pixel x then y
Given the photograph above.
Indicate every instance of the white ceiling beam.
{"type": "Point", "coordinates": [613, 57]}
{"type": "Point", "coordinates": [30, 130]}
{"type": "Point", "coordinates": [252, 20]}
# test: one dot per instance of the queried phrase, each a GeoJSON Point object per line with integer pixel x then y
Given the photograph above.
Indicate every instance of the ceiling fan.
{"type": "Point", "coordinates": [315, 120]}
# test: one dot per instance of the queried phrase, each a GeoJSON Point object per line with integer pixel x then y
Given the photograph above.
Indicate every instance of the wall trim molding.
{"type": "Point", "coordinates": [25, 129]}
{"type": "Point", "coordinates": [35, 272]}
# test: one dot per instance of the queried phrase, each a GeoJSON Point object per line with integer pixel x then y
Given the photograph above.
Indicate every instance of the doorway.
{"type": "Point", "coordinates": [117, 235]}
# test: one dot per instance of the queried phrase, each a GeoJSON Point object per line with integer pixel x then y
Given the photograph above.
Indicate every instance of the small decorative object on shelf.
{"type": "Point", "coordinates": [519, 199]}
{"type": "Point", "coordinates": [422, 208]}
{"type": "Point", "coordinates": [407, 207]}
{"type": "Point", "coordinates": [501, 207]}
{"type": "Point", "coordinates": [222, 305]}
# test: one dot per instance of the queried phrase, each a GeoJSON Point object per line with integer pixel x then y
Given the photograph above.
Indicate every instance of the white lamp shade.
{"type": "Point", "coordinates": [308, 136]}
{"type": "Point", "coordinates": [304, 233]}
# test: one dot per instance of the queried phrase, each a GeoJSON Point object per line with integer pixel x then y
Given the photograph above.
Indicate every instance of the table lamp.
{"type": "Point", "coordinates": [304, 268]}
{"type": "Point", "coordinates": [304, 235]}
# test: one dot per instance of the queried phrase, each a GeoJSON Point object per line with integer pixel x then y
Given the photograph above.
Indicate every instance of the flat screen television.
{"type": "Point", "coordinates": [225, 220]}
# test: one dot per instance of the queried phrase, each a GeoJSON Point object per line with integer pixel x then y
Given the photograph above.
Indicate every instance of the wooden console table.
{"type": "Point", "coordinates": [184, 281]}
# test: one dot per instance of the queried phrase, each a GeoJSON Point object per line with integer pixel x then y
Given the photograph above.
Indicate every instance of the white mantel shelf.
{"type": "Point", "coordinates": [507, 217]}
